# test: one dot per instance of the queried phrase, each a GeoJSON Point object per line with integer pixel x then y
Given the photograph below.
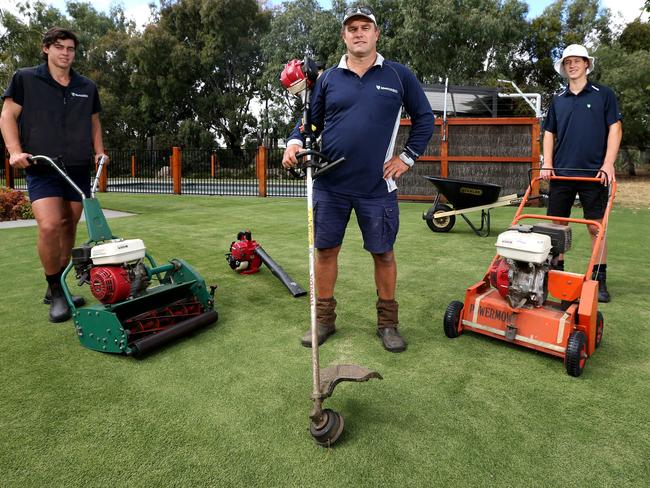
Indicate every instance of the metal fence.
{"type": "Point", "coordinates": [496, 150]}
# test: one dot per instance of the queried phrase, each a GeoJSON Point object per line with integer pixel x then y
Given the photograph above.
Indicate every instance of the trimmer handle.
{"type": "Point", "coordinates": [313, 162]}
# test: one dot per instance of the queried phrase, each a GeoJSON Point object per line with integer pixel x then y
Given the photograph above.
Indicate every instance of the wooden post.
{"type": "Point", "coordinates": [535, 135]}
{"type": "Point", "coordinates": [261, 160]}
{"type": "Point", "coordinates": [213, 164]}
{"type": "Point", "coordinates": [177, 157]}
{"type": "Point", "coordinates": [132, 165]}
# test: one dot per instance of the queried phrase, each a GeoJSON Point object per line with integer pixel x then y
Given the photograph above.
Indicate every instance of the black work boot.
{"type": "Point", "coordinates": [325, 320]}
{"type": "Point", "coordinates": [603, 294]}
{"type": "Point", "coordinates": [59, 309]}
{"type": "Point", "coordinates": [78, 301]}
{"type": "Point", "coordinates": [387, 323]}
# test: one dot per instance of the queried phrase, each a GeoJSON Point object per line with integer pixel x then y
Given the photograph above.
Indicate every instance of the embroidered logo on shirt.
{"type": "Point", "coordinates": [392, 90]}
{"type": "Point", "coordinates": [80, 95]}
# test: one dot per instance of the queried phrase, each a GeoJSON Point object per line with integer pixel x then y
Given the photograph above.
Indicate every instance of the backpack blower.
{"type": "Point", "coordinates": [326, 425]}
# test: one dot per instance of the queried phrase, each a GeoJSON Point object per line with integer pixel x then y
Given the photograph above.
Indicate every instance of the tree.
{"type": "Point", "coordinates": [200, 61]}
{"type": "Point", "coordinates": [296, 28]}
{"type": "Point", "coordinates": [562, 23]}
{"type": "Point", "coordinates": [462, 39]}
{"type": "Point", "coordinates": [625, 66]}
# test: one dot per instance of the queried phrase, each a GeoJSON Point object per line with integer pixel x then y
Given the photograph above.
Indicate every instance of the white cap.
{"type": "Point", "coordinates": [573, 50]}
{"type": "Point", "coordinates": [359, 12]}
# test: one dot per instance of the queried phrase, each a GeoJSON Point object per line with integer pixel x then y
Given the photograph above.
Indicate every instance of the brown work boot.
{"type": "Point", "coordinates": [387, 323]}
{"type": "Point", "coordinates": [325, 320]}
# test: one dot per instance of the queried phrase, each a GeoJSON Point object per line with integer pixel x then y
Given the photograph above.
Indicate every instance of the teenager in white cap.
{"type": "Point", "coordinates": [582, 131]}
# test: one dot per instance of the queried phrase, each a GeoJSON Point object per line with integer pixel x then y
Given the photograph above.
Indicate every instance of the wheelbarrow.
{"type": "Point", "coordinates": [463, 197]}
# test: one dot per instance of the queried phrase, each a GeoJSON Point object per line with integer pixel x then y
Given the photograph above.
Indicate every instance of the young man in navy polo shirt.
{"type": "Point", "coordinates": [52, 110]}
{"type": "Point", "coordinates": [356, 108]}
{"type": "Point", "coordinates": [582, 131]}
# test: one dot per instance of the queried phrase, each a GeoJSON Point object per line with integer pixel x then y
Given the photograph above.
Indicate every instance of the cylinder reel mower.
{"type": "Point", "coordinates": [142, 305]}
{"type": "Point", "coordinates": [524, 300]}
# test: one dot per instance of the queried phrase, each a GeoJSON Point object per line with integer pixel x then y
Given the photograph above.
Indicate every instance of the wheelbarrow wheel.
{"type": "Point", "coordinates": [600, 325]}
{"type": "Point", "coordinates": [451, 322]}
{"type": "Point", "coordinates": [443, 224]}
{"type": "Point", "coordinates": [576, 353]}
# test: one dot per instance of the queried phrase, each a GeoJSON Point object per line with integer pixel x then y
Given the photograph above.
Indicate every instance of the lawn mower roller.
{"type": "Point", "coordinates": [246, 257]}
{"type": "Point", "coordinates": [132, 317]}
{"type": "Point", "coordinates": [512, 300]}
{"type": "Point", "coordinates": [326, 425]}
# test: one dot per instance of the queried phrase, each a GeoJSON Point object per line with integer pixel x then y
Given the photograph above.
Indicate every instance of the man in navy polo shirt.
{"type": "Point", "coordinates": [582, 131]}
{"type": "Point", "coordinates": [52, 110]}
{"type": "Point", "coordinates": [356, 108]}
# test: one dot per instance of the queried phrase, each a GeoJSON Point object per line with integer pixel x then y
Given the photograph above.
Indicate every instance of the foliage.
{"type": "Point", "coordinates": [562, 23]}
{"type": "Point", "coordinates": [625, 66]}
{"type": "Point", "coordinates": [460, 39]}
{"type": "Point", "coordinates": [14, 205]}
{"type": "Point", "coordinates": [206, 71]}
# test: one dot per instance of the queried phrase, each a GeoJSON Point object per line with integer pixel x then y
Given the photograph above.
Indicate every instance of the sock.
{"type": "Point", "coordinates": [53, 278]}
{"type": "Point", "coordinates": [602, 271]}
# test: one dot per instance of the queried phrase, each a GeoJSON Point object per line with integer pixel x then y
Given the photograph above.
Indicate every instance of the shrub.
{"type": "Point", "coordinates": [14, 205]}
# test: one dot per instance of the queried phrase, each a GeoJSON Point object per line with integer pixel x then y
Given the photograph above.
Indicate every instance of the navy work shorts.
{"type": "Point", "coordinates": [562, 194]}
{"type": "Point", "coordinates": [378, 219]}
{"type": "Point", "coordinates": [44, 181]}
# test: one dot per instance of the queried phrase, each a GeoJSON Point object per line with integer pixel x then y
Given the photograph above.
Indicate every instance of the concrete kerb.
{"type": "Point", "coordinates": [12, 224]}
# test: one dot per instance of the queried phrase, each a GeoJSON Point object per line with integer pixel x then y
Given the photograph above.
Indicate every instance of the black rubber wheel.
{"type": "Point", "coordinates": [600, 325]}
{"type": "Point", "coordinates": [451, 322]}
{"type": "Point", "coordinates": [444, 224]}
{"type": "Point", "coordinates": [330, 430]}
{"type": "Point", "coordinates": [576, 353]}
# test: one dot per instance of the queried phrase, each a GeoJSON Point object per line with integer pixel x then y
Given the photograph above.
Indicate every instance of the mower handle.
{"type": "Point", "coordinates": [50, 161]}
{"type": "Point", "coordinates": [102, 161]}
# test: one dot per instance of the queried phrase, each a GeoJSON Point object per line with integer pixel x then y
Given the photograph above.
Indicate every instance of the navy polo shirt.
{"type": "Point", "coordinates": [358, 118]}
{"type": "Point", "coordinates": [55, 120]}
{"type": "Point", "coordinates": [581, 124]}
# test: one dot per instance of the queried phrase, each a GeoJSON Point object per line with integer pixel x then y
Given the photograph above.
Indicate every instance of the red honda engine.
{"type": "Point", "coordinates": [499, 276]}
{"type": "Point", "coordinates": [242, 256]}
{"type": "Point", "coordinates": [110, 284]}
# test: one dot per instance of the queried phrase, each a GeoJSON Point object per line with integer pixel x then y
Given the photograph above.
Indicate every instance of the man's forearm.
{"type": "Point", "coordinates": [549, 142]}
{"type": "Point", "coordinates": [9, 128]}
{"type": "Point", "coordinates": [98, 143]}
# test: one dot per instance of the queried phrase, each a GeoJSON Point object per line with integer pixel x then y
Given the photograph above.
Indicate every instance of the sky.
{"type": "Point", "coordinates": [139, 9]}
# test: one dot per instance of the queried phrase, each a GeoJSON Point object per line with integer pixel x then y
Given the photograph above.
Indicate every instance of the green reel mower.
{"type": "Point", "coordinates": [142, 305]}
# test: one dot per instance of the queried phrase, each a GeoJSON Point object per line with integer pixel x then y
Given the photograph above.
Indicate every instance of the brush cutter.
{"type": "Point", "coordinates": [513, 300]}
{"type": "Point", "coordinates": [326, 425]}
{"type": "Point", "coordinates": [132, 317]}
{"type": "Point", "coordinates": [246, 257]}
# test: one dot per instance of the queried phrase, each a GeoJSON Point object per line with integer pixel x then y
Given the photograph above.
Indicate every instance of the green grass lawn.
{"type": "Point", "coordinates": [229, 405]}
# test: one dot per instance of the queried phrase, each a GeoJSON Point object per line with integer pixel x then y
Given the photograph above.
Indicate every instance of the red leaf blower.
{"type": "Point", "coordinates": [246, 257]}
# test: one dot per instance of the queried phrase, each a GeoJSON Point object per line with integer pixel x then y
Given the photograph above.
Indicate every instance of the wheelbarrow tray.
{"type": "Point", "coordinates": [465, 194]}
